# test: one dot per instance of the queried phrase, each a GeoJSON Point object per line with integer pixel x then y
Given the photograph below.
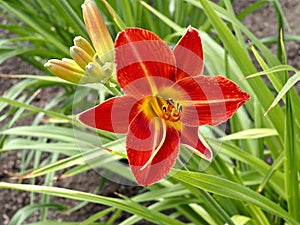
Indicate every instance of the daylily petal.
{"type": "Point", "coordinates": [152, 148]}
{"type": "Point", "coordinates": [112, 115]}
{"type": "Point", "coordinates": [97, 30]}
{"type": "Point", "coordinates": [189, 55]}
{"type": "Point", "coordinates": [208, 100]}
{"type": "Point", "coordinates": [191, 139]}
{"type": "Point", "coordinates": [141, 54]}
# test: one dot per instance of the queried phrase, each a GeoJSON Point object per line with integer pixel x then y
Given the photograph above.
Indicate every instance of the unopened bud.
{"type": "Point", "coordinates": [80, 56]}
{"type": "Point", "coordinates": [85, 45]}
{"type": "Point", "coordinates": [64, 70]}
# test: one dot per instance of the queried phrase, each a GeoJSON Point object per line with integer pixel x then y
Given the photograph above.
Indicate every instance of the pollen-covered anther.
{"type": "Point", "coordinates": [166, 109]}
{"type": "Point", "coordinates": [171, 112]}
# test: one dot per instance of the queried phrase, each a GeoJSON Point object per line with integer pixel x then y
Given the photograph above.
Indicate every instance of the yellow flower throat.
{"type": "Point", "coordinates": [165, 108]}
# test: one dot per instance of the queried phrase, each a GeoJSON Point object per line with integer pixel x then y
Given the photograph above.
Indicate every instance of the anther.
{"type": "Point", "coordinates": [166, 109]}
{"type": "Point", "coordinates": [170, 101]}
{"type": "Point", "coordinates": [179, 108]}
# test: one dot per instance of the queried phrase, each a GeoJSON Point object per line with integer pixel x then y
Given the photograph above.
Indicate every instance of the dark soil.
{"type": "Point", "coordinates": [262, 23]}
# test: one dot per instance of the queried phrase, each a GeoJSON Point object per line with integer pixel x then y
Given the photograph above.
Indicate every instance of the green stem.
{"type": "Point", "coordinates": [111, 85]}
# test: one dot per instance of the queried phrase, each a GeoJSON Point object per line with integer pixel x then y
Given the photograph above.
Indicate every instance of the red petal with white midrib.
{"type": "Point", "coordinates": [143, 137]}
{"type": "Point", "coordinates": [191, 139]}
{"type": "Point", "coordinates": [142, 54]}
{"type": "Point", "coordinates": [208, 100]}
{"type": "Point", "coordinates": [189, 55]}
{"type": "Point", "coordinates": [112, 115]}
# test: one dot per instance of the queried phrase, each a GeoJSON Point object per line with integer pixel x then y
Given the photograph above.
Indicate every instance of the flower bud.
{"type": "Point", "coordinates": [90, 64]}
{"type": "Point", "coordinates": [80, 56]}
{"type": "Point", "coordinates": [65, 70]}
{"type": "Point", "coordinates": [97, 30]}
{"type": "Point", "coordinates": [85, 45]}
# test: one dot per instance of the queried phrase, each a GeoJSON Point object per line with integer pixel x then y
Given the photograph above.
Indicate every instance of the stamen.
{"type": "Point", "coordinates": [179, 108]}
{"type": "Point", "coordinates": [166, 109]}
{"type": "Point", "coordinates": [155, 151]}
{"type": "Point", "coordinates": [170, 101]}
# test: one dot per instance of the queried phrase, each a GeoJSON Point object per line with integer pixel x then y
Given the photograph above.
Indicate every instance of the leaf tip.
{"type": "Point", "coordinates": [268, 110]}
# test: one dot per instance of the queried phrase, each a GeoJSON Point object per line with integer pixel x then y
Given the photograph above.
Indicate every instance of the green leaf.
{"type": "Point", "coordinates": [250, 134]}
{"type": "Point", "coordinates": [240, 220]}
{"type": "Point", "coordinates": [288, 85]}
{"type": "Point", "coordinates": [264, 95]}
{"type": "Point", "coordinates": [234, 152]}
{"type": "Point", "coordinates": [274, 79]}
{"type": "Point", "coordinates": [67, 12]}
{"type": "Point", "coordinates": [165, 19]}
{"type": "Point", "coordinates": [251, 8]}
{"type": "Point", "coordinates": [48, 79]}
{"type": "Point", "coordinates": [154, 216]}
{"type": "Point", "coordinates": [119, 22]}
{"type": "Point", "coordinates": [26, 144]}
{"type": "Point", "coordinates": [63, 134]}
{"type": "Point", "coordinates": [275, 166]}
{"type": "Point", "coordinates": [274, 69]}
{"type": "Point", "coordinates": [52, 222]}
{"type": "Point", "coordinates": [291, 148]}
{"type": "Point", "coordinates": [35, 25]}
{"type": "Point", "coordinates": [273, 39]}
{"type": "Point", "coordinates": [232, 190]}
{"type": "Point", "coordinates": [6, 53]}
{"type": "Point", "coordinates": [96, 216]}
{"type": "Point", "coordinates": [23, 213]}
{"type": "Point", "coordinates": [36, 109]}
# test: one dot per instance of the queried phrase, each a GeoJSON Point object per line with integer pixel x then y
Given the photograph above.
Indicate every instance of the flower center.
{"type": "Point", "coordinates": [166, 108]}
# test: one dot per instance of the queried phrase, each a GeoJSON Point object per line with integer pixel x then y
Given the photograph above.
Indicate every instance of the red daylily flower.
{"type": "Point", "coordinates": [166, 100]}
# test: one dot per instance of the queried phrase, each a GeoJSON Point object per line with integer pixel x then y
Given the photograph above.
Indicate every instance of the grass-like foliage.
{"type": "Point", "coordinates": [238, 187]}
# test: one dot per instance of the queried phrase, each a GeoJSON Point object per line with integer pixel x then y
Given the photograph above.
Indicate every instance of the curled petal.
{"type": "Point", "coordinates": [191, 139]}
{"type": "Point", "coordinates": [208, 100]}
{"type": "Point", "coordinates": [97, 30]}
{"type": "Point", "coordinates": [112, 115]}
{"type": "Point", "coordinates": [152, 148]}
{"type": "Point", "coordinates": [189, 55]}
{"type": "Point", "coordinates": [141, 54]}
